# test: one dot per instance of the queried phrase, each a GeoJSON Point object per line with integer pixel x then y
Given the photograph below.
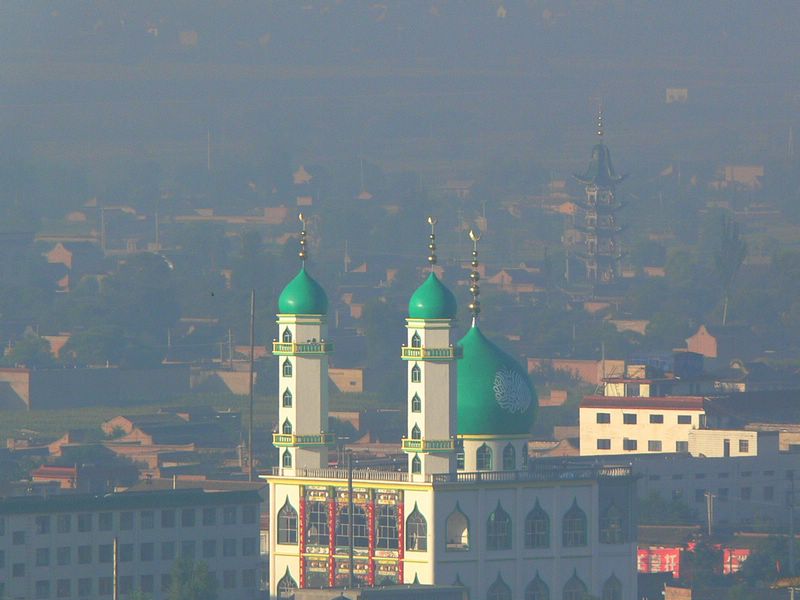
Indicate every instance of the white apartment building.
{"type": "Point", "coordinates": [62, 546]}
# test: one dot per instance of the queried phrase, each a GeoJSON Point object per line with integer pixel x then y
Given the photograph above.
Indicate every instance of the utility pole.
{"type": "Point", "coordinates": [230, 349]}
{"type": "Point", "coordinates": [115, 582]}
{"type": "Point", "coordinates": [791, 526]}
{"type": "Point", "coordinates": [710, 510]}
{"type": "Point", "coordinates": [250, 467]}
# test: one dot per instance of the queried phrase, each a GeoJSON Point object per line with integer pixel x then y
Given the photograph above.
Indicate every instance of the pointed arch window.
{"type": "Point", "coordinates": [498, 530]}
{"type": "Point", "coordinates": [574, 530]}
{"type": "Point", "coordinates": [499, 590]}
{"type": "Point", "coordinates": [483, 458]}
{"type": "Point", "coordinates": [287, 398]}
{"type": "Point", "coordinates": [509, 458]}
{"type": "Point", "coordinates": [457, 531]}
{"type": "Point", "coordinates": [537, 528]}
{"type": "Point", "coordinates": [416, 374]}
{"type": "Point", "coordinates": [317, 530]}
{"type": "Point", "coordinates": [416, 531]}
{"type": "Point", "coordinates": [360, 527]}
{"type": "Point", "coordinates": [416, 404]}
{"type": "Point", "coordinates": [287, 585]}
{"type": "Point", "coordinates": [612, 589]}
{"type": "Point", "coordinates": [287, 368]}
{"type": "Point", "coordinates": [286, 459]}
{"type": "Point", "coordinates": [611, 526]}
{"type": "Point", "coordinates": [537, 589]}
{"type": "Point", "coordinates": [416, 465]}
{"type": "Point", "coordinates": [575, 589]}
{"type": "Point", "coordinates": [287, 524]}
{"type": "Point", "coordinates": [416, 434]}
{"type": "Point", "coordinates": [287, 336]}
{"type": "Point", "coordinates": [386, 522]}
{"type": "Point", "coordinates": [286, 428]}
{"type": "Point", "coordinates": [416, 342]}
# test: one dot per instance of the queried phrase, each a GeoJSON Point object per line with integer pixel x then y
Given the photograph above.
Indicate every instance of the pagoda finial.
{"type": "Point", "coordinates": [600, 118]}
{"type": "Point", "coordinates": [432, 243]}
{"type": "Point", "coordinates": [303, 253]}
{"type": "Point", "coordinates": [474, 276]}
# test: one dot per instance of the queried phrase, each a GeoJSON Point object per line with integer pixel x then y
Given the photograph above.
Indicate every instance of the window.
{"type": "Point", "coordinates": [287, 398]}
{"type": "Point", "coordinates": [498, 530]}
{"type": "Point", "coordinates": [209, 516]}
{"type": "Point", "coordinates": [18, 570]}
{"type": "Point", "coordinates": [166, 582]}
{"type": "Point", "coordinates": [210, 548]}
{"type": "Point", "coordinates": [125, 584]}
{"type": "Point", "coordinates": [611, 530]}
{"type": "Point", "coordinates": [509, 458]}
{"type": "Point", "coordinates": [629, 418]}
{"type": "Point", "coordinates": [187, 517]}
{"type": "Point", "coordinates": [744, 446]}
{"type": "Point", "coordinates": [387, 527]}
{"type": "Point", "coordinates": [416, 374]}
{"type": "Point", "coordinates": [126, 521]}
{"type": "Point", "coordinates": [416, 465]}
{"type": "Point", "coordinates": [629, 445]}
{"type": "Point", "coordinates": [104, 586]}
{"type": "Point", "coordinates": [229, 515]}
{"type": "Point", "coordinates": [746, 493]}
{"type": "Point", "coordinates": [147, 518]}
{"type": "Point", "coordinates": [188, 549]}
{"type": "Point", "coordinates": [360, 527]}
{"type": "Point", "coordinates": [63, 556]}
{"type": "Point", "coordinates": [684, 419]}
{"type": "Point", "coordinates": [105, 521]}
{"type": "Point", "coordinates": [229, 547]}
{"type": "Point", "coordinates": [604, 444]}
{"type": "Point", "coordinates": [682, 447]}
{"type": "Point", "coordinates": [287, 368]}
{"type": "Point", "coordinates": [317, 532]}
{"type": "Point", "coordinates": [147, 552]}
{"type": "Point", "coordinates": [574, 527]}
{"type": "Point", "coordinates": [524, 455]}
{"type": "Point", "coordinates": [483, 458]}
{"type": "Point", "coordinates": [416, 434]}
{"type": "Point", "coordinates": [632, 389]}
{"type": "Point", "coordinates": [43, 588]}
{"type": "Point", "coordinates": [769, 492]}
{"type": "Point", "coordinates": [249, 578]}
{"type": "Point", "coordinates": [612, 589]}
{"type": "Point", "coordinates": [84, 522]}
{"type": "Point", "coordinates": [42, 524]}
{"type": "Point", "coordinates": [457, 530]}
{"type": "Point", "coordinates": [286, 428]}
{"type": "Point", "coordinates": [699, 495]}
{"type": "Point", "coordinates": [105, 553]}
{"type": "Point", "coordinates": [654, 445]}
{"type": "Point", "coordinates": [499, 590]}
{"type": "Point", "coordinates": [537, 528]}
{"type": "Point", "coordinates": [63, 523]}
{"type": "Point", "coordinates": [537, 590]}
{"type": "Point", "coordinates": [167, 550]}
{"type": "Point", "coordinates": [416, 342]}
{"type": "Point", "coordinates": [287, 336]}
{"type": "Point", "coordinates": [18, 538]}
{"type": "Point", "coordinates": [287, 524]}
{"type": "Point", "coordinates": [249, 515]}
{"type": "Point", "coordinates": [84, 555]}
{"type": "Point", "coordinates": [250, 544]}
{"type": "Point", "coordinates": [416, 404]}
{"type": "Point", "coordinates": [604, 418]}
{"type": "Point", "coordinates": [574, 589]}
{"type": "Point", "coordinates": [43, 557]}
{"type": "Point", "coordinates": [84, 587]}
{"type": "Point", "coordinates": [416, 531]}
{"type": "Point", "coordinates": [460, 455]}
{"type": "Point", "coordinates": [229, 579]}
{"type": "Point", "coordinates": [146, 584]}
{"type": "Point", "coordinates": [723, 475]}
{"type": "Point", "coordinates": [286, 585]}
{"type": "Point", "coordinates": [168, 518]}
{"type": "Point", "coordinates": [63, 588]}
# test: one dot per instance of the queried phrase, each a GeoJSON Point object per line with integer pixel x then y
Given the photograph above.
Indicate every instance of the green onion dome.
{"type": "Point", "coordinates": [432, 300]}
{"type": "Point", "coordinates": [495, 395]}
{"type": "Point", "coordinates": [303, 296]}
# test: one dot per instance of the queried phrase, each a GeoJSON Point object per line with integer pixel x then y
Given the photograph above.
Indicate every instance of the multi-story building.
{"type": "Point", "coordinates": [469, 509]}
{"type": "Point", "coordinates": [63, 546]}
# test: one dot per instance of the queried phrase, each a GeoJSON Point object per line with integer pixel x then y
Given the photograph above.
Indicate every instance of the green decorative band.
{"type": "Point", "coordinates": [429, 446]}
{"type": "Point", "coordinates": [295, 348]}
{"type": "Point", "coordinates": [422, 353]}
{"type": "Point", "coordinates": [285, 440]}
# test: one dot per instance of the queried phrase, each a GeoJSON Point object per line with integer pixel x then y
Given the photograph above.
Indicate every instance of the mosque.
{"type": "Point", "coordinates": [470, 509]}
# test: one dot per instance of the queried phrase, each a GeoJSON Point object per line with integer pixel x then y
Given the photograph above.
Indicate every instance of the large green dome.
{"type": "Point", "coordinates": [432, 300]}
{"type": "Point", "coordinates": [495, 396]}
{"type": "Point", "coordinates": [303, 296]}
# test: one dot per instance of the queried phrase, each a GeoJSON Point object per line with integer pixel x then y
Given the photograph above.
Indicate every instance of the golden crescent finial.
{"type": "Point", "coordinates": [302, 218]}
{"type": "Point", "coordinates": [432, 221]}
{"type": "Point", "coordinates": [474, 236]}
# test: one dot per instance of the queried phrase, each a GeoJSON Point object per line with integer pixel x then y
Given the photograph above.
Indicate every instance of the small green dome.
{"type": "Point", "coordinates": [495, 396]}
{"type": "Point", "coordinates": [432, 300]}
{"type": "Point", "coordinates": [303, 296]}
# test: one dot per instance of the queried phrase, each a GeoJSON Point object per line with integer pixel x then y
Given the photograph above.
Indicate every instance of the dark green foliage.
{"type": "Point", "coordinates": [191, 581]}
{"type": "Point", "coordinates": [31, 351]}
{"type": "Point", "coordinates": [655, 510]}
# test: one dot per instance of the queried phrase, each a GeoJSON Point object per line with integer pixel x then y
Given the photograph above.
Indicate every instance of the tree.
{"type": "Point", "coordinates": [655, 510]}
{"type": "Point", "coordinates": [191, 581]}
{"type": "Point", "coordinates": [728, 259]}
{"type": "Point", "coordinates": [31, 351]}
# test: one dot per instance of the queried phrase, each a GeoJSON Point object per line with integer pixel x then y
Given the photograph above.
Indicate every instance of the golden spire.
{"type": "Point", "coordinates": [432, 244]}
{"type": "Point", "coordinates": [303, 254]}
{"type": "Point", "coordinates": [474, 276]}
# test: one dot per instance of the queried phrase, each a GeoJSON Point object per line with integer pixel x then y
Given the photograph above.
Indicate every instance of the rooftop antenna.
{"type": "Point", "coordinates": [432, 244]}
{"type": "Point", "coordinates": [474, 276]}
{"type": "Point", "coordinates": [303, 254]}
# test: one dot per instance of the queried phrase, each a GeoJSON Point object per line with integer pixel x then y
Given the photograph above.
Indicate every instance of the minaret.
{"type": "Point", "coordinates": [302, 350]}
{"type": "Point", "coordinates": [430, 355]}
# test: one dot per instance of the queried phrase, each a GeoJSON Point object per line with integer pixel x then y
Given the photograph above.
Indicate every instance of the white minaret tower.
{"type": "Point", "coordinates": [302, 349]}
{"type": "Point", "coordinates": [431, 358]}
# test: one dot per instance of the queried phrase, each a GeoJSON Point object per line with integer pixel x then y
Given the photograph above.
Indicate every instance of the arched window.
{"type": "Point", "coordinates": [575, 589]}
{"type": "Point", "coordinates": [416, 531]}
{"type": "Point", "coordinates": [386, 522]}
{"type": "Point", "coordinates": [460, 454]}
{"type": "Point", "coordinates": [573, 527]}
{"type": "Point", "coordinates": [509, 458]}
{"type": "Point", "coordinates": [612, 589]}
{"type": "Point", "coordinates": [286, 427]}
{"type": "Point", "coordinates": [286, 459]}
{"type": "Point", "coordinates": [483, 458]}
{"type": "Point", "coordinates": [287, 585]}
{"type": "Point", "coordinates": [317, 530]}
{"type": "Point", "coordinates": [611, 530]}
{"type": "Point", "coordinates": [287, 335]}
{"type": "Point", "coordinates": [499, 590]}
{"type": "Point", "coordinates": [537, 528]}
{"type": "Point", "coordinates": [416, 465]}
{"type": "Point", "coordinates": [498, 530]}
{"type": "Point", "coordinates": [457, 531]}
{"type": "Point", "coordinates": [287, 368]}
{"type": "Point", "coordinates": [287, 524]}
{"type": "Point", "coordinates": [287, 398]}
{"type": "Point", "coordinates": [416, 342]}
{"type": "Point", "coordinates": [416, 374]}
{"type": "Point", "coordinates": [537, 590]}
{"type": "Point", "coordinates": [416, 404]}
{"type": "Point", "coordinates": [416, 434]}
{"type": "Point", "coordinates": [360, 527]}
